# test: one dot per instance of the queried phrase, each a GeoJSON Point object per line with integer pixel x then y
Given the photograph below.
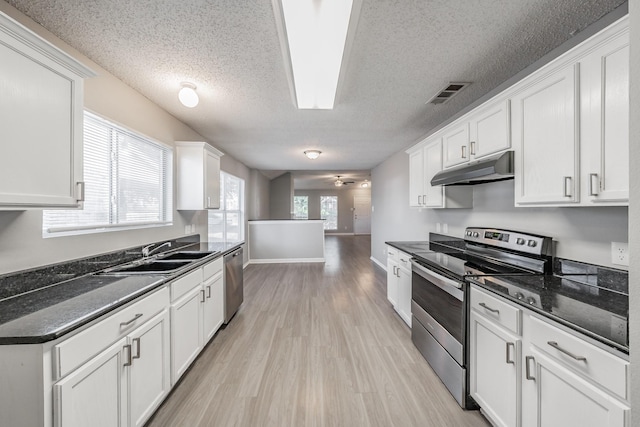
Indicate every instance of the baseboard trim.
{"type": "Point", "coordinates": [339, 234]}
{"type": "Point", "coordinates": [381, 265]}
{"type": "Point", "coordinates": [285, 260]}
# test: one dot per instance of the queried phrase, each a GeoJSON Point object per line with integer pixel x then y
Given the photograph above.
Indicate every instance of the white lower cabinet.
{"type": "Point", "coordinates": [545, 376]}
{"type": "Point", "coordinates": [495, 366]}
{"type": "Point", "coordinates": [121, 386]}
{"type": "Point", "coordinates": [94, 394]}
{"type": "Point", "coordinates": [399, 282]}
{"type": "Point", "coordinates": [197, 312]}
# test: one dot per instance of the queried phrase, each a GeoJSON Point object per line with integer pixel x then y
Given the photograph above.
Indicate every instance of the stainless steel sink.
{"type": "Point", "coordinates": [185, 255]}
{"type": "Point", "coordinates": [152, 267]}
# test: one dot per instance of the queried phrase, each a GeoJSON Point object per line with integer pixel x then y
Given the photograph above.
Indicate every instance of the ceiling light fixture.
{"type": "Point", "coordinates": [365, 184]}
{"type": "Point", "coordinates": [316, 33]}
{"type": "Point", "coordinates": [188, 95]}
{"type": "Point", "coordinates": [338, 182]}
{"type": "Point", "coordinates": [312, 154]}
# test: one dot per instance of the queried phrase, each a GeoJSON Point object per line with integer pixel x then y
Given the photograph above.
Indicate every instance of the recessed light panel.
{"type": "Point", "coordinates": [316, 33]}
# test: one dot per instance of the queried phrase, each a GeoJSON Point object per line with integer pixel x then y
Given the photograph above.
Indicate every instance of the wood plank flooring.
{"type": "Point", "coordinates": [314, 345]}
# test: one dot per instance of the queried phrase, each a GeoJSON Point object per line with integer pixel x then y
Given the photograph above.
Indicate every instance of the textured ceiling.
{"type": "Point", "coordinates": [403, 52]}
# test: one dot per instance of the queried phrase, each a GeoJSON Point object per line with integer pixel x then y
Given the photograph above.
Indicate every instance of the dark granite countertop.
{"type": "Point", "coordinates": [587, 298]}
{"type": "Point", "coordinates": [51, 301]}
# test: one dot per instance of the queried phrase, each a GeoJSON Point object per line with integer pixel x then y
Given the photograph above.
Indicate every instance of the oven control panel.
{"type": "Point", "coordinates": [507, 239]}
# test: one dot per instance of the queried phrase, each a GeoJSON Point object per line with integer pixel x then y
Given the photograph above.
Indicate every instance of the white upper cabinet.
{"type": "Point", "coordinates": [571, 126]}
{"type": "Point", "coordinates": [416, 178]}
{"type": "Point", "coordinates": [490, 129]}
{"type": "Point", "coordinates": [604, 125]}
{"type": "Point", "coordinates": [41, 110]}
{"type": "Point", "coordinates": [424, 162]}
{"type": "Point", "coordinates": [456, 144]}
{"type": "Point", "coordinates": [484, 131]}
{"type": "Point", "coordinates": [198, 176]}
{"type": "Point", "coordinates": [544, 132]}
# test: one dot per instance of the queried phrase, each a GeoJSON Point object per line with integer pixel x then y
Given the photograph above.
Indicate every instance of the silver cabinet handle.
{"type": "Point", "coordinates": [567, 191]}
{"type": "Point", "coordinates": [136, 317]}
{"type": "Point", "coordinates": [486, 307]}
{"type": "Point", "coordinates": [593, 188]}
{"type": "Point", "coordinates": [527, 366]}
{"type": "Point", "coordinates": [202, 292]}
{"type": "Point", "coordinates": [473, 148]}
{"type": "Point", "coordinates": [136, 341]}
{"type": "Point", "coordinates": [419, 202]}
{"type": "Point", "coordinates": [424, 199]}
{"type": "Point", "coordinates": [567, 352]}
{"type": "Point", "coordinates": [464, 151]}
{"type": "Point", "coordinates": [508, 358]}
{"type": "Point", "coordinates": [128, 348]}
{"type": "Point", "coordinates": [209, 291]}
{"type": "Point", "coordinates": [80, 191]}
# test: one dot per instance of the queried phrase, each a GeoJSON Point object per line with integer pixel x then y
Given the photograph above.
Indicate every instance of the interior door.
{"type": "Point", "coordinates": [362, 214]}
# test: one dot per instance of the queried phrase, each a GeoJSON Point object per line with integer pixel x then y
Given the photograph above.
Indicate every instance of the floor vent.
{"type": "Point", "coordinates": [448, 92]}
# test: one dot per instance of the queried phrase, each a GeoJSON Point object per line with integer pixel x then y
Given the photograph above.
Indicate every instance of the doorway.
{"type": "Point", "coordinates": [362, 214]}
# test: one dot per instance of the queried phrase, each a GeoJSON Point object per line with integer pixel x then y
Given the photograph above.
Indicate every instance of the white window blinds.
{"type": "Point", "coordinates": [127, 178]}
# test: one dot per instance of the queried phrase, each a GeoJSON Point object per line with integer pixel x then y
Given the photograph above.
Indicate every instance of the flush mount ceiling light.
{"type": "Point", "coordinates": [313, 35]}
{"type": "Point", "coordinates": [188, 95]}
{"type": "Point", "coordinates": [365, 184]}
{"type": "Point", "coordinates": [312, 154]}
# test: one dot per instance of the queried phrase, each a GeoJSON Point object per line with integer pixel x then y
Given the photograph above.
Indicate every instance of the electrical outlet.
{"type": "Point", "coordinates": [187, 229]}
{"type": "Point", "coordinates": [445, 228]}
{"type": "Point", "coordinates": [438, 227]}
{"type": "Point", "coordinates": [620, 253]}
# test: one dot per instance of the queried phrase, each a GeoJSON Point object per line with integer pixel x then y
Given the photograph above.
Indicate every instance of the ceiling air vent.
{"type": "Point", "coordinates": [448, 92]}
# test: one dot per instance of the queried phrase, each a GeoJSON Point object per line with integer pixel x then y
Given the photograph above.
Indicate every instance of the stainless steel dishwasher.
{"type": "Point", "coordinates": [233, 283]}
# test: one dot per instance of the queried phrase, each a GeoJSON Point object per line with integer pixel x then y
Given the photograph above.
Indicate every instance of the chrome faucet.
{"type": "Point", "coordinates": [147, 251]}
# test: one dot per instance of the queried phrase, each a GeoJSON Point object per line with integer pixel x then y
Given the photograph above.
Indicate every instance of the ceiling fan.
{"type": "Point", "coordinates": [339, 183]}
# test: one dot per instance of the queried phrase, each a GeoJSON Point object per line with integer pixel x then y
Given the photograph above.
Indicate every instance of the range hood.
{"type": "Point", "coordinates": [495, 168]}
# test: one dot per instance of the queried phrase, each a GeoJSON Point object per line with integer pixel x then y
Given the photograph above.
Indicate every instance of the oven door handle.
{"type": "Point", "coordinates": [451, 287]}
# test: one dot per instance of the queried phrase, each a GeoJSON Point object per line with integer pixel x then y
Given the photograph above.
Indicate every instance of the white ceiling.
{"type": "Point", "coordinates": [403, 52]}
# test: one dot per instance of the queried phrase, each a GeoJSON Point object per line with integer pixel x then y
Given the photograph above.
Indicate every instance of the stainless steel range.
{"type": "Point", "coordinates": [439, 290]}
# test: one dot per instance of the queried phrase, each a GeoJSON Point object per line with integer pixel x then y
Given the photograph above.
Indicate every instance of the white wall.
{"type": "Point", "coordinates": [258, 207]}
{"type": "Point", "coordinates": [583, 234]}
{"type": "Point", "coordinates": [345, 204]}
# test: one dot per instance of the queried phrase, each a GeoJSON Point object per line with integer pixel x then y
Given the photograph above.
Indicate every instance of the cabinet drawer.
{"type": "Point", "coordinates": [500, 311]}
{"type": "Point", "coordinates": [602, 367]}
{"type": "Point", "coordinates": [211, 269]}
{"type": "Point", "coordinates": [404, 261]}
{"type": "Point", "coordinates": [76, 350]}
{"type": "Point", "coordinates": [392, 253]}
{"type": "Point", "coordinates": [184, 284]}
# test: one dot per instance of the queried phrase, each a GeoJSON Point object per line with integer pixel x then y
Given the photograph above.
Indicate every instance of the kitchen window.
{"type": "Point", "coordinates": [300, 207]}
{"type": "Point", "coordinates": [227, 223]}
{"type": "Point", "coordinates": [329, 212]}
{"type": "Point", "coordinates": [128, 183]}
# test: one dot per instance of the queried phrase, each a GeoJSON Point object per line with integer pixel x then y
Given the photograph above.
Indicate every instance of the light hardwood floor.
{"type": "Point", "coordinates": [314, 345]}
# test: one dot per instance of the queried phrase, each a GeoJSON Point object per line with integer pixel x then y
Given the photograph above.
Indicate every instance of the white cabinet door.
{"type": "Point", "coordinates": [150, 368]}
{"type": "Point", "coordinates": [41, 106]}
{"type": "Point", "coordinates": [212, 180]}
{"type": "Point", "coordinates": [554, 396]}
{"type": "Point", "coordinates": [456, 144]}
{"type": "Point", "coordinates": [544, 134]}
{"type": "Point", "coordinates": [96, 393]}
{"type": "Point", "coordinates": [490, 130]}
{"type": "Point", "coordinates": [404, 291]}
{"type": "Point", "coordinates": [416, 178]}
{"type": "Point", "coordinates": [186, 331]}
{"type": "Point", "coordinates": [494, 370]}
{"type": "Point", "coordinates": [198, 180]}
{"type": "Point", "coordinates": [392, 277]}
{"type": "Point", "coordinates": [604, 89]}
{"type": "Point", "coordinates": [213, 309]}
{"type": "Point", "coordinates": [434, 197]}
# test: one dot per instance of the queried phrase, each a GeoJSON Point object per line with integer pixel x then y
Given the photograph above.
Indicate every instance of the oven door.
{"type": "Point", "coordinates": [438, 304]}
